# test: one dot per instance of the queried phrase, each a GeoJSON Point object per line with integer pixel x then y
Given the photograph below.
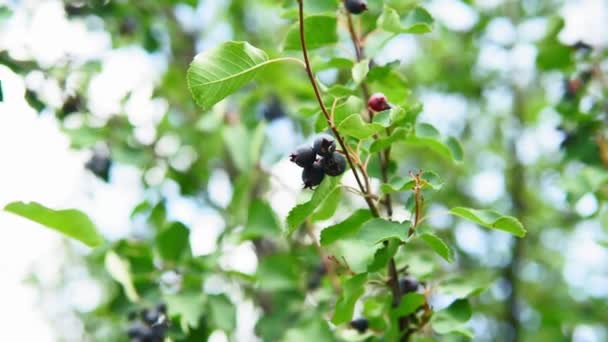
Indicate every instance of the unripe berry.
{"type": "Point", "coordinates": [324, 145]}
{"type": "Point", "coordinates": [334, 165]}
{"type": "Point", "coordinates": [355, 6]}
{"type": "Point", "coordinates": [303, 156]}
{"type": "Point", "coordinates": [408, 284]}
{"type": "Point", "coordinates": [312, 175]}
{"type": "Point", "coordinates": [360, 324]}
{"type": "Point", "coordinates": [378, 102]}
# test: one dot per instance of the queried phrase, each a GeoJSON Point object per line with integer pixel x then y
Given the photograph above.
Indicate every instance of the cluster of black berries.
{"type": "Point", "coordinates": [355, 6]}
{"type": "Point", "coordinates": [151, 325]}
{"type": "Point", "coordinates": [329, 162]}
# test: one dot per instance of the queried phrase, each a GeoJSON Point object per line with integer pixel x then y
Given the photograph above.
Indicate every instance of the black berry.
{"type": "Point", "coordinates": [378, 102]}
{"type": "Point", "coordinates": [162, 308]}
{"type": "Point", "coordinates": [408, 284]}
{"type": "Point", "coordinates": [150, 316]}
{"type": "Point", "coordinates": [360, 324]}
{"type": "Point", "coordinates": [315, 278]}
{"type": "Point", "coordinates": [334, 165]}
{"type": "Point", "coordinates": [100, 165]}
{"type": "Point", "coordinates": [312, 175]}
{"type": "Point", "coordinates": [273, 109]}
{"type": "Point", "coordinates": [355, 6]}
{"type": "Point", "coordinates": [324, 146]}
{"type": "Point", "coordinates": [304, 156]}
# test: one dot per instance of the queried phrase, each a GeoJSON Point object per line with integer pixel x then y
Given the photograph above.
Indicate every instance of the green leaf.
{"type": "Point", "coordinates": [438, 246]}
{"type": "Point", "coordinates": [301, 212]}
{"type": "Point", "coordinates": [378, 230]}
{"type": "Point", "coordinates": [399, 134]}
{"type": "Point", "coordinates": [352, 289]}
{"type": "Point", "coordinates": [261, 221]}
{"type": "Point", "coordinates": [463, 287]}
{"type": "Point", "coordinates": [188, 307]}
{"type": "Point", "coordinates": [70, 222]}
{"type": "Point", "coordinates": [220, 71]}
{"type": "Point", "coordinates": [416, 21]}
{"type": "Point", "coordinates": [314, 329]}
{"type": "Point", "coordinates": [119, 270]}
{"type": "Point", "coordinates": [398, 184]}
{"type": "Point", "coordinates": [453, 318]}
{"type": "Point", "coordinates": [319, 30]}
{"type": "Point", "coordinates": [383, 256]}
{"type": "Point", "coordinates": [409, 303]}
{"type": "Point", "coordinates": [222, 312]}
{"type": "Point", "coordinates": [354, 126]}
{"type": "Point", "coordinates": [1, 95]}
{"type": "Point", "coordinates": [455, 148]}
{"type": "Point", "coordinates": [491, 219]}
{"type": "Point", "coordinates": [360, 70]}
{"type": "Point", "coordinates": [329, 206]}
{"type": "Point", "coordinates": [345, 228]}
{"type": "Point", "coordinates": [277, 272]}
{"type": "Point", "coordinates": [173, 242]}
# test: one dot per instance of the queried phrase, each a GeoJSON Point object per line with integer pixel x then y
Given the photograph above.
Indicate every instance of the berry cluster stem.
{"type": "Point", "coordinates": [315, 87]}
{"type": "Point", "coordinates": [383, 156]}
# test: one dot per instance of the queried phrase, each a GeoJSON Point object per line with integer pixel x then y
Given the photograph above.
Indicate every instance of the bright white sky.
{"type": "Point", "coordinates": [36, 163]}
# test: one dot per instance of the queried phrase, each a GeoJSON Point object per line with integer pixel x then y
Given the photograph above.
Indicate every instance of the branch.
{"type": "Point", "coordinates": [330, 122]}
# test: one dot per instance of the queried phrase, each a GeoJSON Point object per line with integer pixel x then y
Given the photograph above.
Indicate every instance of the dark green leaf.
{"type": "Point", "coordinates": [173, 242]}
{"type": "Point", "coordinates": [319, 30]}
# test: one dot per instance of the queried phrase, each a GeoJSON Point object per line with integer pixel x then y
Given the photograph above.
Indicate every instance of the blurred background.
{"type": "Point", "coordinates": [96, 115]}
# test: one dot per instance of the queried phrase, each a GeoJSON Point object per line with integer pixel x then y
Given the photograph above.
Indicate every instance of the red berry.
{"type": "Point", "coordinates": [378, 102]}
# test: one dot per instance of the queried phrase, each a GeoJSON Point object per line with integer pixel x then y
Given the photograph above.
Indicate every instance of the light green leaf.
{"type": "Point", "coordinates": [277, 272]}
{"type": "Point", "coordinates": [378, 230]}
{"type": "Point", "coordinates": [398, 184]}
{"type": "Point", "coordinates": [220, 71]}
{"type": "Point", "coordinates": [345, 228]}
{"type": "Point", "coordinates": [453, 318]}
{"type": "Point", "coordinates": [360, 71]}
{"type": "Point", "coordinates": [188, 307]}
{"type": "Point", "coordinates": [438, 246]}
{"type": "Point", "coordinates": [463, 287]}
{"type": "Point", "coordinates": [261, 221]}
{"type": "Point", "coordinates": [354, 126]}
{"type": "Point", "coordinates": [329, 206]}
{"type": "Point", "coordinates": [416, 21]}
{"type": "Point", "coordinates": [319, 30]}
{"type": "Point", "coordinates": [491, 219]}
{"type": "Point", "coordinates": [352, 289]}
{"type": "Point", "coordinates": [409, 303]}
{"type": "Point", "coordinates": [173, 242]}
{"type": "Point", "coordinates": [70, 222]}
{"type": "Point", "coordinates": [455, 148]}
{"type": "Point", "coordinates": [383, 255]}
{"type": "Point", "coordinates": [222, 312]}
{"type": "Point", "coordinates": [302, 211]}
{"type": "Point", "coordinates": [119, 270]}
